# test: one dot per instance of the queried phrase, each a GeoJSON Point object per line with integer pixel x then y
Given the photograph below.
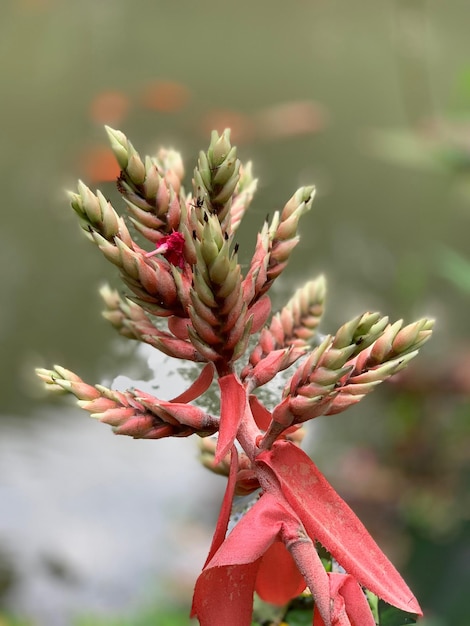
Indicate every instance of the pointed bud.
{"type": "Point", "coordinates": [119, 145]}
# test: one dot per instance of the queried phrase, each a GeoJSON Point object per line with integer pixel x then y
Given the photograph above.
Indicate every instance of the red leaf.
{"type": "Point", "coordinates": [279, 579]}
{"type": "Point", "coordinates": [224, 595]}
{"type": "Point", "coordinates": [199, 386]}
{"type": "Point", "coordinates": [225, 509]}
{"type": "Point", "coordinates": [261, 414]}
{"type": "Point", "coordinates": [233, 404]}
{"type": "Point", "coordinates": [224, 589]}
{"type": "Point", "coordinates": [329, 519]}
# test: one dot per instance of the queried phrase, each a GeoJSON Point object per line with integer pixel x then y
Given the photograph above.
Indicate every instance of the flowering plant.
{"type": "Point", "coordinates": [214, 315]}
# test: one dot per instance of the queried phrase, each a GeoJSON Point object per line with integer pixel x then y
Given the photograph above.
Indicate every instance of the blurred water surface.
{"type": "Point", "coordinates": [70, 492]}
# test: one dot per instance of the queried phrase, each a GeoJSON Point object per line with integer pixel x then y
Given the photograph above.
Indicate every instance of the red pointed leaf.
{"type": "Point", "coordinates": [329, 519]}
{"type": "Point", "coordinates": [224, 595]}
{"type": "Point", "coordinates": [233, 404]}
{"type": "Point", "coordinates": [224, 590]}
{"type": "Point", "coordinates": [260, 413]}
{"type": "Point", "coordinates": [199, 386]}
{"type": "Point", "coordinates": [225, 509]}
{"type": "Point", "coordinates": [278, 579]}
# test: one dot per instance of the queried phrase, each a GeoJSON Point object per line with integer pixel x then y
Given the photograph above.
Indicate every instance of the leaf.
{"type": "Point", "coordinates": [198, 387]}
{"type": "Point", "coordinates": [278, 579]}
{"type": "Point", "coordinates": [233, 404]}
{"type": "Point", "coordinates": [224, 589]}
{"type": "Point", "coordinates": [225, 509]}
{"type": "Point", "coordinates": [329, 519]}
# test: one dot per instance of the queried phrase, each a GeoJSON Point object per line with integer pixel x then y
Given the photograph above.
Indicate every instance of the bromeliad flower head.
{"type": "Point", "coordinates": [193, 281]}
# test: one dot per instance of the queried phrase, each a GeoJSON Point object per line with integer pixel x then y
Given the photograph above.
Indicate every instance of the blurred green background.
{"type": "Point", "coordinates": [368, 100]}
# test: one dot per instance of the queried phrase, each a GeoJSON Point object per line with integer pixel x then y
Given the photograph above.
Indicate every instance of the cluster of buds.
{"type": "Point", "coordinates": [189, 298]}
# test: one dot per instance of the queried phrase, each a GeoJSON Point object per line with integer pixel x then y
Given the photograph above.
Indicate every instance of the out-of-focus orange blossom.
{"type": "Point", "coordinates": [166, 96]}
{"type": "Point", "coordinates": [35, 5]}
{"type": "Point", "coordinates": [287, 119]}
{"type": "Point", "coordinates": [109, 107]}
{"type": "Point", "coordinates": [242, 128]}
{"type": "Point", "coordinates": [98, 164]}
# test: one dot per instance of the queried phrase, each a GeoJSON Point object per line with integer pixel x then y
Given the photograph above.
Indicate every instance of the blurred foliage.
{"type": "Point", "coordinates": [165, 617]}
{"type": "Point", "coordinates": [455, 268]}
{"type": "Point", "coordinates": [176, 616]}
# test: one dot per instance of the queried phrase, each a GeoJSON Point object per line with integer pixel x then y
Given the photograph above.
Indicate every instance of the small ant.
{"type": "Point", "coordinates": [198, 204]}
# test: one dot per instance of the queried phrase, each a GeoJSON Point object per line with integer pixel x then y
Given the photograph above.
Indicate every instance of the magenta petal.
{"type": "Point", "coordinates": [329, 519]}
{"type": "Point", "coordinates": [233, 404]}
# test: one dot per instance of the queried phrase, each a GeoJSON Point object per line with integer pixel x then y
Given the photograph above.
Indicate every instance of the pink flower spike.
{"type": "Point", "coordinates": [172, 247]}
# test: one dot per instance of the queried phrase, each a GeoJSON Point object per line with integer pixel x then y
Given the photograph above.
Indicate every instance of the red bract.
{"type": "Point", "coordinates": [272, 550]}
{"type": "Point", "coordinates": [328, 519]}
{"type": "Point", "coordinates": [224, 590]}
